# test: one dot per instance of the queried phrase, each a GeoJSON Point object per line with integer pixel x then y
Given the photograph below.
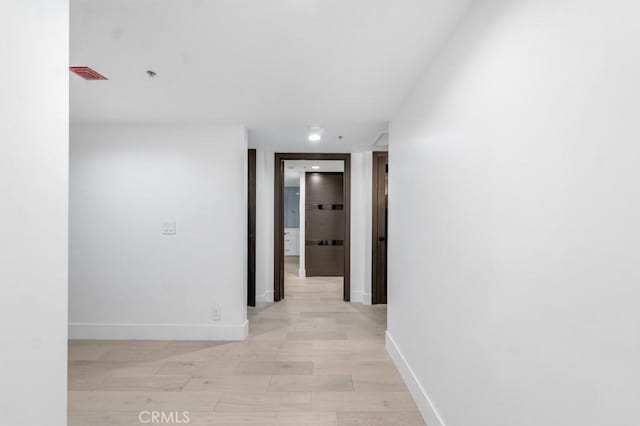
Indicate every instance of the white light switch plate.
{"type": "Point", "coordinates": [169, 228]}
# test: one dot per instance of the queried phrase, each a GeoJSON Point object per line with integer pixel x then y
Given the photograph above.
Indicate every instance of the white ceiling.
{"type": "Point", "coordinates": [274, 65]}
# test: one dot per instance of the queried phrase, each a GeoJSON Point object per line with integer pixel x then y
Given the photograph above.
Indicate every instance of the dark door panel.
{"type": "Point", "coordinates": [251, 230]}
{"type": "Point", "coordinates": [326, 261]}
{"type": "Point", "coordinates": [380, 214]}
{"type": "Point", "coordinates": [324, 188]}
{"type": "Point", "coordinates": [324, 224]}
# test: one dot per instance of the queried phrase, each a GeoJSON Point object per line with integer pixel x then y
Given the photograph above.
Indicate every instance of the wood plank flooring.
{"type": "Point", "coordinates": [309, 360]}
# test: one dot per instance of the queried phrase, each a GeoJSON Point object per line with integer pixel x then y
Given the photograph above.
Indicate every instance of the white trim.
{"type": "Point", "coordinates": [302, 211]}
{"type": "Point", "coordinates": [366, 298]}
{"type": "Point", "coordinates": [107, 331]}
{"type": "Point", "coordinates": [357, 296]}
{"type": "Point", "coordinates": [424, 403]}
{"type": "Point", "coordinates": [267, 297]}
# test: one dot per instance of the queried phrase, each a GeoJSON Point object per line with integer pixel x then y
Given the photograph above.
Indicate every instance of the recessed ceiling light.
{"type": "Point", "coordinates": [315, 167]}
{"type": "Point", "coordinates": [315, 133]}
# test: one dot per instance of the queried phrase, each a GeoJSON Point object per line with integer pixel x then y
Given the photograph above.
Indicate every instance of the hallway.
{"type": "Point", "coordinates": [311, 359]}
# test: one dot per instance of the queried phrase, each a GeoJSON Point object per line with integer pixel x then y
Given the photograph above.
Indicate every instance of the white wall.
{"type": "Point", "coordinates": [302, 209]}
{"type": "Point", "coordinates": [34, 111]}
{"type": "Point", "coordinates": [361, 211]}
{"type": "Point", "coordinates": [127, 279]}
{"type": "Point", "coordinates": [264, 225]}
{"type": "Point", "coordinates": [513, 275]}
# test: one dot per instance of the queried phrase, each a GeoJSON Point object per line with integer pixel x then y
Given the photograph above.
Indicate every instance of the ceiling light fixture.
{"type": "Point", "coordinates": [315, 167]}
{"type": "Point", "coordinates": [315, 133]}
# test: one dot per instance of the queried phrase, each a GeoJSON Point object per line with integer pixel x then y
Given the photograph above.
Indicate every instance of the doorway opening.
{"type": "Point", "coordinates": [312, 222]}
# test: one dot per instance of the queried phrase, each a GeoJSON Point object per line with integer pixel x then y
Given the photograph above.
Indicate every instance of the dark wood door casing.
{"type": "Point", "coordinates": [251, 229]}
{"type": "Point", "coordinates": [379, 232]}
{"type": "Point", "coordinates": [278, 240]}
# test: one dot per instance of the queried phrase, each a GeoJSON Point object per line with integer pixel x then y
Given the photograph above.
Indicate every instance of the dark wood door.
{"type": "Point", "coordinates": [380, 221]}
{"type": "Point", "coordinates": [251, 230]}
{"type": "Point", "coordinates": [324, 224]}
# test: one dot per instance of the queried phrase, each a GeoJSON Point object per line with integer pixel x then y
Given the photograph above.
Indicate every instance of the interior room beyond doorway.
{"type": "Point", "coordinates": [313, 207]}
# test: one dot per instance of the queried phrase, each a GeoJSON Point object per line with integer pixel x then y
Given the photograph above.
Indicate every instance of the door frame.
{"type": "Point", "coordinates": [278, 223]}
{"type": "Point", "coordinates": [251, 228]}
{"type": "Point", "coordinates": [377, 287]}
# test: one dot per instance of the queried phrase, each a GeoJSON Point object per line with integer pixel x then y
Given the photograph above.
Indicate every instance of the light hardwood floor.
{"type": "Point", "coordinates": [309, 360]}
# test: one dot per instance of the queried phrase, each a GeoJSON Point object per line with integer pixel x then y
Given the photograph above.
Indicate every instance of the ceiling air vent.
{"type": "Point", "coordinates": [87, 73]}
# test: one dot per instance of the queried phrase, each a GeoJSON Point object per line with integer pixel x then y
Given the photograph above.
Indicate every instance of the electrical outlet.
{"type": "Point", "coordinates": [216, 313]}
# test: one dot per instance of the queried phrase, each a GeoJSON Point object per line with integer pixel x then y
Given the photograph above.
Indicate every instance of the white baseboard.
{"type": "Point", "coordinates": [419, 394]}
{"type": "Point", "coordinates": [222, 332]}
{"type": "Point", "coordinates": [366, 298]}
{"type": "Point", "coordinates": [267, 296]}
{"type": "Point", "coordinates": [302, 273]}
{"type": "Point", "coordinates": [357, 296]}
